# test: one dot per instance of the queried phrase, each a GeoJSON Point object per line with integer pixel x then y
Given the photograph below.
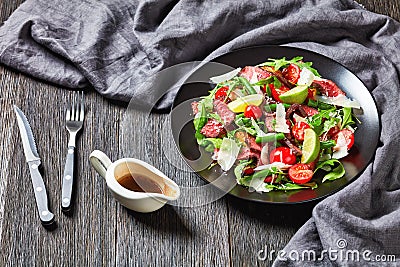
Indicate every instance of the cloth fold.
{"type": "Point", "coordinates": [114, 45]}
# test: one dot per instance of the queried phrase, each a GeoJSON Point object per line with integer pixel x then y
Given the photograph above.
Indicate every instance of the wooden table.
{"type": "Point", "coordinates": [99, 231]}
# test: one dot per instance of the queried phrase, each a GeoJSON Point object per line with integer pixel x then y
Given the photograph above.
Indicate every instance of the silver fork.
{"type": "Point", "coordinates": [74, 123]}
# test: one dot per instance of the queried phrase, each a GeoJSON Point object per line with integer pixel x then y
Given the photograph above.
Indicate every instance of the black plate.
{"type": "Point", "coordinates": [366, 136]}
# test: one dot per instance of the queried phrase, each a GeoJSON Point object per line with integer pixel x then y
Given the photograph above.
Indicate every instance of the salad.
{"type": "Point", "coordinates": [277, 124]}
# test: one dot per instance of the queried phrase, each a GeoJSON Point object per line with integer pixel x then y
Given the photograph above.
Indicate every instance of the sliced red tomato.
{"type": "Point", "coordinates": [333, 131]}
{"type": "Point", "coordinates": [292, 73]}
{"type": "Point", "coordinates": [277, 92]}
{"type": "Point", "coordinates": [327, 87]}
{"type": "Point", "coordinates": [348, 136]}
{"type": "Point", "coordinates": [253, 111]}
{"type": "Point", "coordinates": [309, 110]}
{"type": "Point", "coordinates": [298, 130]}
{"type": "Point", "coordinates": [282, 154]}
{"type": "Point", "coordinates": [300, 173]}
{"type": "Point", "coordinates": [221, 93]}
{"type": "Point", "coordinates": [268, 179]}
{"type": "Point", "coordinates": [248, 171]}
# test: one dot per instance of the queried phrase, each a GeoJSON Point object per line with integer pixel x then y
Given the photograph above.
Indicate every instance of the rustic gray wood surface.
{"type": "Point", "coordinates": [99, 232]}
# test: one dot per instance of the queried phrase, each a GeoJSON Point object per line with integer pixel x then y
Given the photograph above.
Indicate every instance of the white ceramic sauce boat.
{"type": "Point", "coordinates": [137, 201]}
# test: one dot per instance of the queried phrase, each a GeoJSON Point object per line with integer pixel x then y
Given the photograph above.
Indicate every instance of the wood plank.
{"type": "Point", "coordinates": [100, 231]}
{"type": "Point", "coordinates": [255, 227]}
{"type": "Point", "coordinates": [88, 235]}
{"type": "Point", "coordinates": [172, 236]}
{"type": "Point", "coordinates": [389, 8]}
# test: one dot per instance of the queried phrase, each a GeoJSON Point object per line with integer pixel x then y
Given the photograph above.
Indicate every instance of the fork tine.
{"type": "Point", "coordinates": [72, 108]}
{"type": "Point", "coordinates": [77, 106]}
{"type": "Point", "coordinates": [68, 116]}
{"type": "Point", "coordinates": [82, 113]}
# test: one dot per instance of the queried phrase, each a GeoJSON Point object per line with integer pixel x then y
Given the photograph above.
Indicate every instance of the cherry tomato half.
{"type": "Point", "coordinates": [248, 171]}
{"type": "Point", "coordinates": [300, 173]}
{"type": "Point", "coordinates": [333, 131]}
{"type": "Point", "coordinates": [282, 154]}
{"type": "Point", "coordinates": [277, 92]}
{"type": "Point", "coordinates": [253, 111]}
{"type": "Point", "coordinates": [298, 130]}
{"type": "Point", "coordinates": [292, 73]}
{"type": "Point", "coordinates": [268, 179]}
{"type": "Point", "coordinates": [348, 135]}
{"type": "Point", "coordinates": [221, 93]}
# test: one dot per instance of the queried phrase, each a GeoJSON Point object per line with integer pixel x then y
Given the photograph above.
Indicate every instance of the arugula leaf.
{"type": "Point", "coordinates": [327, 144]}
{"type": "Point", "coordinates": [239, 170]}
{"type": "Point", "coordinates": [249, 130]}
{"type": "Point", "coordinates": [205, 107]}
{"type": "Point", "coordinates": [200, 120]}
{"type": "Point", "coordinates": [208, 105]}
{"type": "Point", "coordinates": [245, 181]}
{"type": "Point", "coordinates": [257, 128]}
{"type": "Point", "coordinates": [334, 168]}
{"type": "Point", "coordinates": [263, 173]}
{"type": "Point", "coordinates": [210, 143]}
{"type": "Point", "coordinates": [328, 124]}
{"type": "Point", "coordinates": [245, 124]}
{"type": "Point", "coordinates": [277, 83]}
{"type": "Point", "coordinates": [232, 86]}
{"type": "Point", "coordinates": [347, 118]}
{"type": "Point", "coordinates": [316, 121]}
{"type": "Point", "coordinates": [308, 65]}
{"type": "Point", "coordinates": [283, 62]}
{"type": "Point", "coordinates": [215, 116]}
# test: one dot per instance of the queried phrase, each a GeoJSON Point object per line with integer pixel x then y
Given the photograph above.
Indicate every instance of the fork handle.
{"type": "Point", "coordinates": [68, 179]}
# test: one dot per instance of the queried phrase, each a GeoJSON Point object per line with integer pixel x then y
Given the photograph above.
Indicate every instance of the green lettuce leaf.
{"type": "Point", "coordinates": [334, 168]}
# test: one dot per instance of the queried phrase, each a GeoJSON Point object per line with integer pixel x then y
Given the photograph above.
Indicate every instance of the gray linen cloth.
{"type": "Point", "coordinates": [112, 45]}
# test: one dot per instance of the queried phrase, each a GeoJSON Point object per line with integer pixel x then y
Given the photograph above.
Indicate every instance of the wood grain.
{"type": "Point", "coordinates": [100, 232]}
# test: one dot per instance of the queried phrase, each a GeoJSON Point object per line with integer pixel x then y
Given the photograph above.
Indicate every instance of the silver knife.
{"type": "Point", "coordinates": [33, 160]}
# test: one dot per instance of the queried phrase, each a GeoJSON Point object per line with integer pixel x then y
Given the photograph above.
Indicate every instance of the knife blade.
{"type": "Point", "coordinates": [33, 160]}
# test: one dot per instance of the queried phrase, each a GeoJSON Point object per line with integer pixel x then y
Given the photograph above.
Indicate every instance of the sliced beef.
{"type": "Point", "coordinates": [269, 119]}
{"type": "Point", "coordinates": [213, 129]}
{"type": "Point", "coordinates": [309, 110]}
{"type": "Point", "coordinates": [195, 107]}
{"type": "Point", "coordinates": [224, 112]}
{"type": "Point", "coordinates": [295, 108]}
{"type": "Point", "coordinates": [327, 87]}
{"type": "Point", "coordinates": [248, 72]}
{"type": "Point", "coordinates": [247, 153]}
{"type": "Point", "coordinates": [251, 142]}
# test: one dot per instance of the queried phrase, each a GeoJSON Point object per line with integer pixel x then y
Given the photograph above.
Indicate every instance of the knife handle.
{"type": "Point", "coordinates": [40, 194]}
{"type": "Point", "coordinates": [68, 180]}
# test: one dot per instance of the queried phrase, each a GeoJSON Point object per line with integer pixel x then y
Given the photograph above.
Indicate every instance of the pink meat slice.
{"type": "Point", "coordinates": [327, 87]}
{"type": "Point", "coordinates": [195, 107]}
{"type": "Point", "coordinates": [213, 129]}
{"type": "Point", "coordinates": [224, 112]}
{"type": "Point", "coordinates": [248, 72]}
